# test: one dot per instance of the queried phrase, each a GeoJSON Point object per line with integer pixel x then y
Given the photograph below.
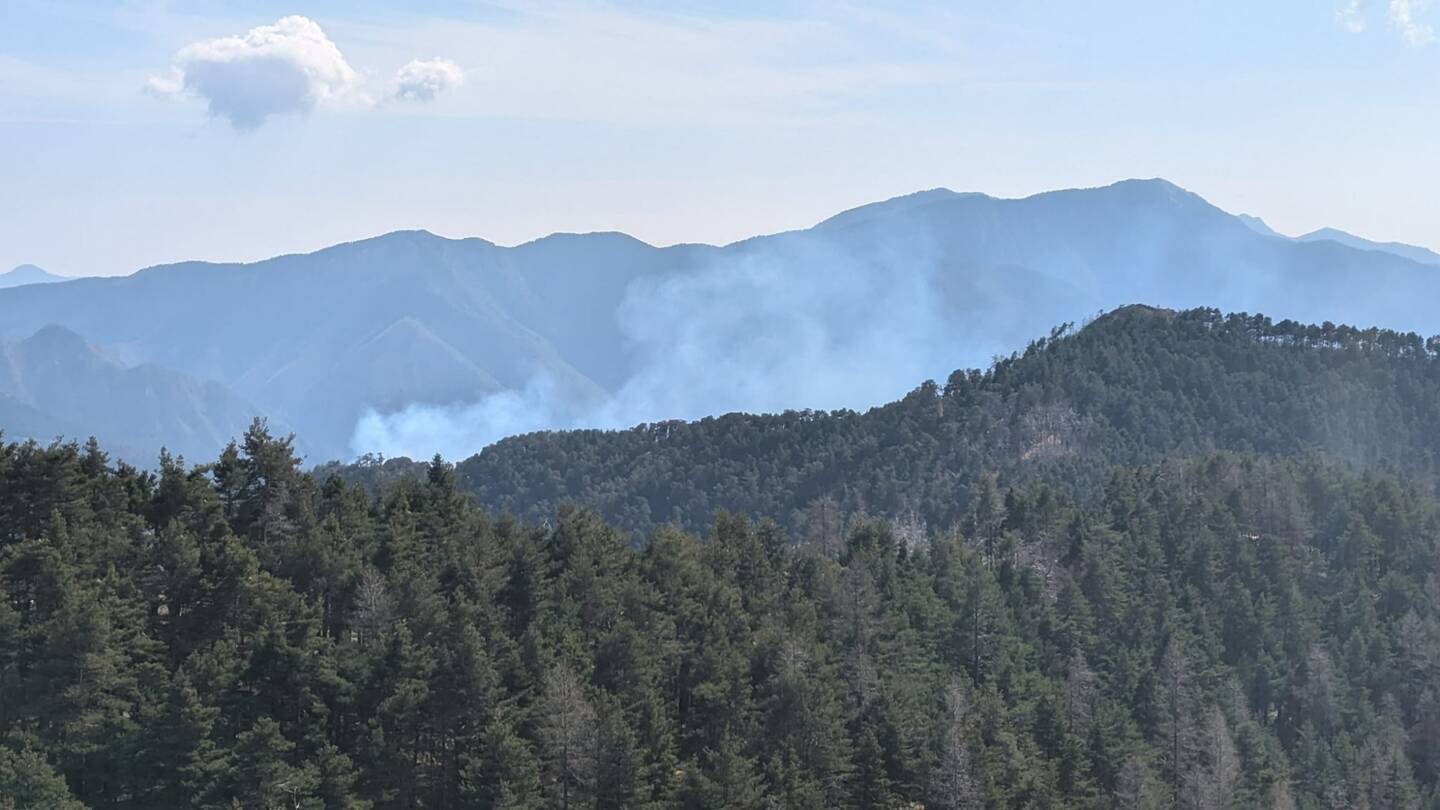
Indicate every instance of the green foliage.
{"type": "Point", "coordinates": [1206, 630]}
{"type": "Point", "coordinates": [27, 782]}
{"type": "Point", "coordinates": [1130, 388]}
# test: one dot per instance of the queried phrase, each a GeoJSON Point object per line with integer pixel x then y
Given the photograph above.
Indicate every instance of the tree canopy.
{"type": "Point", "coordinates": [1216, 631]}
{"type": "Point", "coordinates": [1168, 560]}
{"type": "Point", "coordinates": [1129, 388]}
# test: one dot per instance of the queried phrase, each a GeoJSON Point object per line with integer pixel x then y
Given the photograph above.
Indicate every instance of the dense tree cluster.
{"type": "Point", "coordinates": [1131, 387]}
{"type": "Point", "coordinates": [1224, 631]}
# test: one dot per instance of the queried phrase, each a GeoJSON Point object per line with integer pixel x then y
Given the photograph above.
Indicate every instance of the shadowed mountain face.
{"type": "Point", "coordinates": [55, 384]}
{"type": "Point", "coordinates": [410, 343]}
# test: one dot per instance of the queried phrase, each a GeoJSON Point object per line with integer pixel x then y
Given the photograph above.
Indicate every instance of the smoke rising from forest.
{"type": "Point", "coordinates": [863, 307]}
{"type": "Point", "coordinates": [798, 324]}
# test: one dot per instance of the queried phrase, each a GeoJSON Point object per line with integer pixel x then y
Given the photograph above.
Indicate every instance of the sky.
{"type": "Point", "coordinates": [139, 132]}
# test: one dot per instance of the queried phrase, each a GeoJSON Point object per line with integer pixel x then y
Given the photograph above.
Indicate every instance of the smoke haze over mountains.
{"type": "Point", "coordinates": [411, 344]}
{"type": "Point", "coordinates": [856, 312]}
{"type": "Point", "coordinates": [802, 325]}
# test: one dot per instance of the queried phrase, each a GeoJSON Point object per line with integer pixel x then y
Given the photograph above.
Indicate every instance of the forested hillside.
{"type": "Point", "coordinates": [1131, 387]}
{"type": "Point", "coordinates": [1219, 632]}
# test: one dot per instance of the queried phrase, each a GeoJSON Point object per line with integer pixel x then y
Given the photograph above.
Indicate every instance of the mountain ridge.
{"type": "Point", "coordinates": [1132, 386]}
{"type": "Point", "coordinates": [1415, 253]}
{"type": "Point", "coordinates": [55, 383]}
{"type": "Point", "coordinates": [602, 329]}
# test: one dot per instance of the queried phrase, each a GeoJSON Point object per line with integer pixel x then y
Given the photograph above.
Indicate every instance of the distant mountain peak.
{"type": "Point", "coordinates": [391, 241]}
{"type": "Point", "coordinates": [53, 337]}
{"type": "Point", "coordinates": [28, 274]}
{"type": "Point", "coordinates": [1414, 253]}
{"type": "Point", "coordinates": [54, 331]}
{"type": "Point", "coordinates": [894, 205]}
{"type": "Point", "coordinates": [1259, 225]}
{"type": "Point", "coordinates": [1150, 183]}
{"type": "Point", "coordinates": [594, 237]}
{"type": "Point", "coordinates": [417, 237]}
{"type": "Point", "coordinates": [1135, 312]}
{"type": "Point", "coordinates": [1144, 190]}
{"type": "Point", "coordinates": [56, 382]}
{"type": "Point", "coordinates": [932, 194]}
{"type": "Point", "coordinates": [406, 235]}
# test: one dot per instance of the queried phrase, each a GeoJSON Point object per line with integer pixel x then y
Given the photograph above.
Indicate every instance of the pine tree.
{"type": "Point", "coordinates": [502, 773]}
{"type": "Point", "coordinates": [180, 757]}
{"type": "Point", "coordinates": [569, 739]}
{"type": "Point", "coordinates": [260, 776]}
{"type": "Point", "coordinates": [618, 763]}
{"type": "Point", "coordinates": [729, 779]}
{"type": "Point", "coordinates": [1175, 693]}
{"type": "Point", "coordinates": [1137, 788]}
{"type": "Point", "coordinates": [955, 783]}
{"type": "Point", "coordinates": [1210, 783]}
{"type": "Point", "coordinates": [337, 781]}
{"type": "Point", "coordinates": [987, 515]}
{"type": "Point", "coordinates": [27, 782]}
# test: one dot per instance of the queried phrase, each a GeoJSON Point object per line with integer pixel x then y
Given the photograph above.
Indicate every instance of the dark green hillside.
{"type": "Point", "coordinates": [1221, 632]}
{"type": "Point", "coordinates": [1131, 387]}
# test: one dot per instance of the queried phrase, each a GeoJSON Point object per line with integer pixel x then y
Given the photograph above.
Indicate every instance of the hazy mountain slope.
{"type": "Point", "coordinates": [19, 420]}
{"type": "Point", "coordinates": [28, 274]}
{"type": "Point", "coordinates": [1130, 387]}
{"type": "Point", "coordinates": [1150, 240]}
{"type": "Point", "coordinates": [446, 345]}
{"type": "Point", "coordinates": [407, 317]}
{"type": "Point", "coordinates": [1411, 252]}
{"type": "Point", "coordinates": [54, 383]}
{"type": "Point", "coordinates": [1258, 225]}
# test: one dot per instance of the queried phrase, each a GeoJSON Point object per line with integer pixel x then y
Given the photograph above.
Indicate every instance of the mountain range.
{"type": "Point", "coordinates": [55, 383]}
{"type": "Point", "coordinates": [1414, 253]}
{"type": "Point", "coordinates": [411, 343]}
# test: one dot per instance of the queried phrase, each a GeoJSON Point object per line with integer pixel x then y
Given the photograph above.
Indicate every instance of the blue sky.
{"type": "Point", "coordinates": [129, 136]}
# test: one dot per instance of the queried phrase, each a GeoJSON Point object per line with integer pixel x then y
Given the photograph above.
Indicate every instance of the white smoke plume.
{"type": "Point", "coordinates": [458, 430]}
{"type": "Point", "coordinates": [802, 325]}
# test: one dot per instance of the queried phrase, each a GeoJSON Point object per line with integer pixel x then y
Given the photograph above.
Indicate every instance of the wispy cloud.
{"type": "Point", "coordinates": [24, 78]}
{"type": "Point", "coordinates": [590, 62]}
{"type": "Point", "coordinates": [1352, 16]}
{"type": "Point", "coordinates": [1403, 17]}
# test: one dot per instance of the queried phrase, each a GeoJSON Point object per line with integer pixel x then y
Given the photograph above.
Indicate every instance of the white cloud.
{"type": "Point", "coordinates": [1352, 16]}
{"type": "Point", "coordinates": [424, 79]}
{"type": "Point", "coordinates": [288, 67]}
{"type": "Point", "coordinates": [564, 60]}
{"type": "Point", "coordinates": [1402, 16]}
